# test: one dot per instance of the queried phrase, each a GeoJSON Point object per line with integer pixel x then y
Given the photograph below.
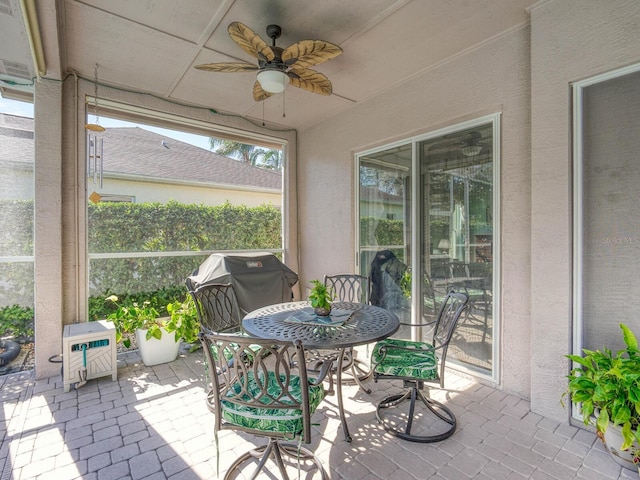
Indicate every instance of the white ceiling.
{"type": "Point", "coordinates": [152, 45]}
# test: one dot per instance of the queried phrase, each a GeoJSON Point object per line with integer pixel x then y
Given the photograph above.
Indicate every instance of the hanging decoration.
{"type": "Point", "coordinates": [95, 155]}
{"type": "Point", "coordinates": [95, 127]}
{"type": "Point", "coordinates": [95, 158]}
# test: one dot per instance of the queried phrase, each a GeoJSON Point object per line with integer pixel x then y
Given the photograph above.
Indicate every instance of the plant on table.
{"type": "Point", "coordinates": [320, 297]}
{"type": "Point", "coordinates": [608, 386]}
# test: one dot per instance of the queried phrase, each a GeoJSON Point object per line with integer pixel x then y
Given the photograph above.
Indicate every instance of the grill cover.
{"type": "Point", "coordinates": [258, 279]}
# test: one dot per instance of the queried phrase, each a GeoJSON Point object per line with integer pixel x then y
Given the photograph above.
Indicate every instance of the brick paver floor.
{"type": "Point", "coordinates": [153, 424]}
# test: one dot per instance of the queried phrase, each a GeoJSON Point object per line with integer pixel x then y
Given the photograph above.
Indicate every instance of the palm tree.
{"type": "Point", "coordinates": [251, 154]}
{"type": "Point", "coordinates": [240, 151]}
{"type": "Point", "coordinates": [271, 159]}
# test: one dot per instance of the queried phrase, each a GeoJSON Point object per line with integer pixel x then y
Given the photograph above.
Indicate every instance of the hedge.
{"type": "Point", "coordinates": [151, 227]}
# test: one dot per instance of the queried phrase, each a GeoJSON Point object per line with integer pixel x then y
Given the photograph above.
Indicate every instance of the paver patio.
{"type": "Point", "coordinates": [153, 424]}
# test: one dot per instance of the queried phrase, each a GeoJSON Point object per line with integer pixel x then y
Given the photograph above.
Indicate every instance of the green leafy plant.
{"type": "Point", "coordinates": [405, 283]}
{"type": "Point", "coordinates": [101, 307]}
{"type": "Point", "coordinates": [17, 321]}
{"type": "Point", "coordinates": [129, 318]}
{"type": "Point", "coordinates": [142, 227]}
{"type": "Point", "coordinates": [608, 386]}
{"type": "Point", "coordinates": [635, 453]}
{"type": "Point", "coordinates": [183, 319]}
{"type": "Point", "coordinates": [320, 295]}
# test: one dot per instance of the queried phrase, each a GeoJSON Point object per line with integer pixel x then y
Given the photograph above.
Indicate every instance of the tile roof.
{"type": "Point", "coordinates": [140, 153]}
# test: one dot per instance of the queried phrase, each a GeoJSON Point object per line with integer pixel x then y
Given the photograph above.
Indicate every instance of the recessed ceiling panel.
{"type": "Point", "coordinates": [140, 58]}
{"type": "Point", "coordinates": [230, 92]}
{"type": "Point", "coordinates": [186, 20]}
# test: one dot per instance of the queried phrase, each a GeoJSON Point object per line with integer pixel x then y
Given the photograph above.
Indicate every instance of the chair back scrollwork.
{"type": "Point", "coordinates": [348, 287]}
{"type": "Point", "coordinates": [217, 308]}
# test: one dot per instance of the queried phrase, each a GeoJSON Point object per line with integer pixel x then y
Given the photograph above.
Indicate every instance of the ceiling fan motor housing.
{"type": "Point", "coordinates": [273, 32]}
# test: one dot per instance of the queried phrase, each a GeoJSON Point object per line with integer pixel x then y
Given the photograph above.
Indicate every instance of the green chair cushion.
{"type": "Point", "coordinates": [434, 305]}
{"type": "Point", "coordinates": [269, 419]}
{"type": "Point", "coordinates": [417, 361]}
{"type": "Point", "coordinates": [475, 293]}
{"type": "Point", "coordinates": [228, 353]}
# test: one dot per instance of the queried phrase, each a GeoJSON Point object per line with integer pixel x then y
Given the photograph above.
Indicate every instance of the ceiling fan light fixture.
{"type": "Point", "coordinates": [273, 81]}
{"type": "Point", "coordinates": [471, 150]}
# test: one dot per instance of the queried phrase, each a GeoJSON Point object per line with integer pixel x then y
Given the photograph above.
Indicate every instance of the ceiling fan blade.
{"type": "Point", "coordinates": [230, 67]}
{"type": "Point", "coordinates": [259, 93]}
{"type": "Point", "coordinates": [310, 80]}
{"type": "Point", "coordinates": [309, 52]}
{"type": "Point", "coordinates": [249, 41]}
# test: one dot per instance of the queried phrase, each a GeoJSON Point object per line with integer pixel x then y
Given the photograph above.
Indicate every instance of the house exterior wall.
{"type": "Point", "coordinates": [571, 40]}
{"type": "Point", "coordinates": [493, 77]}
{"type": "Point", "coordinates": [525, 75]}
{"type": "Point", "coordinates": [150, 191]}
{"type": "Point", "coordinates": [17, 184]}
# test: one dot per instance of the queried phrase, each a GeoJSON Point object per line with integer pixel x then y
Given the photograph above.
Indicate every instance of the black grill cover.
{"type": "Point", "coordinates": [386, 276]}
{"type": "Point", "coordinates": [258, 279]}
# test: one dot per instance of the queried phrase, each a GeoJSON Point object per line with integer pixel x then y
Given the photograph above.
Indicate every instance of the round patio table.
{"type": "Point", "coordinates": [364, 324]}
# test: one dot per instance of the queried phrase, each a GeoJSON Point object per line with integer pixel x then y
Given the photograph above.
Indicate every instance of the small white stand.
{"type": "Point", "coordinates": [91, 345]}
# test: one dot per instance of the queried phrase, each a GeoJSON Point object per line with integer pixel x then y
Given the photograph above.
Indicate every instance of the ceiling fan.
{"type": "Point", "coordinates": [472, 145]}
{"type": "Point", "coordinates": [277, 66]}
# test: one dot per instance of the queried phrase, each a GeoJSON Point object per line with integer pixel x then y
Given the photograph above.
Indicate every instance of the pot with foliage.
{"type": "Point", "coordinates": [607, 386]}
{"type": "Point", "coordinates": [320, 298]}
{"type": "Point", "coordinates": [156, 337]}
{"type": "Point", "coordinates": [183, 320]}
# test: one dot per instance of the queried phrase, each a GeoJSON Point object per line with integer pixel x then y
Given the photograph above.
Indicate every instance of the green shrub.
{"type": "Point", "coordinates": [16, 321]}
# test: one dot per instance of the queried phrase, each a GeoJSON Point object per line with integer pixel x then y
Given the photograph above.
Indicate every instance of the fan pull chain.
{"type": "Point", "coordinates": [263, 112]}
{"type": "Point", "coordinates": [283, 114]}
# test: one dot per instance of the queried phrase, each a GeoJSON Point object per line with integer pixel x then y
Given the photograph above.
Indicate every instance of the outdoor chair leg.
{"type": "Point", "coordinates": [275, 450]}
{"type": "Point", "coordinates": [412, 395]}
{"type": "Point", "coordinates": [359, 372]}
{"type": "Point", "coordinates": [277, 456]}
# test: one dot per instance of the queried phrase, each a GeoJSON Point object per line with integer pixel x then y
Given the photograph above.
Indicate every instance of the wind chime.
{"type": "Point", "coordinates": [95, 152]}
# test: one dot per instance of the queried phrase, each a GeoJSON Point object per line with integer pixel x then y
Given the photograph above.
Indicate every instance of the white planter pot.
{"type": "Point", "coordinates": [612, 441]}
{"type": "Point", "coordinates": [154, 351]}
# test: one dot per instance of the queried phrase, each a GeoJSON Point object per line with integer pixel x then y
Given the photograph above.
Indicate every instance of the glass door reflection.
{"type": "Point", "coordinates": [456, 172]}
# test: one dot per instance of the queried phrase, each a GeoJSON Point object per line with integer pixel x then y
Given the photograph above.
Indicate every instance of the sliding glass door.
{"type": "Point", "coordinates": [416, 251]}
{"type": "Point", "coordinates": [384, 248]}
{"type": "Point", "coordinates": [457, 234]}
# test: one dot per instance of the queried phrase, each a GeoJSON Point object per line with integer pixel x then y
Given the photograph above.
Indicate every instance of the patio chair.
{"type": "Point", "coordinates": [351, 288]}
{"type": "Point", "coordinates": [480, 302]}
{"type": "Point", "coordinates": [355, 289]}
{"type": "Point", "coordinates": [217, 308]}
{"type": "Point", "coordinates": [264, 392]}
{"type": "Point", "coordinates": [416, 363]}
{"type": "Point", "coordinates": [348, 287]}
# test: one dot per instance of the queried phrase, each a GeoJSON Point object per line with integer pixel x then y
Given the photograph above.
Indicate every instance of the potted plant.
{"type": "Point", "coordinates": [320, 298]}
{"type": "Point", "coordinates": [608, 387]}
{"type": "Point", "coordinates": [183, 320]}
{"type": "Point", "coordinates": [156, 343]}
{"type": "Point", "coordinates": [635, 457]}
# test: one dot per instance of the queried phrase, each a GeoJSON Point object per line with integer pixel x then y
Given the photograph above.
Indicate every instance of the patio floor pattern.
{"type": "Point", "coordinates": [153, 424]}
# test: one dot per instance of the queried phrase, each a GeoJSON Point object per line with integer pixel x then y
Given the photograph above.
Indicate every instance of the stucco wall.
{"type": "Point", "coordinates": [571, 40]}
{"type": "Point", "coordinates": [150, 191]}
{"type": "Point", "coordinates": [48, 228]}
{"type": "Point", "coordinates": [494, 77]}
